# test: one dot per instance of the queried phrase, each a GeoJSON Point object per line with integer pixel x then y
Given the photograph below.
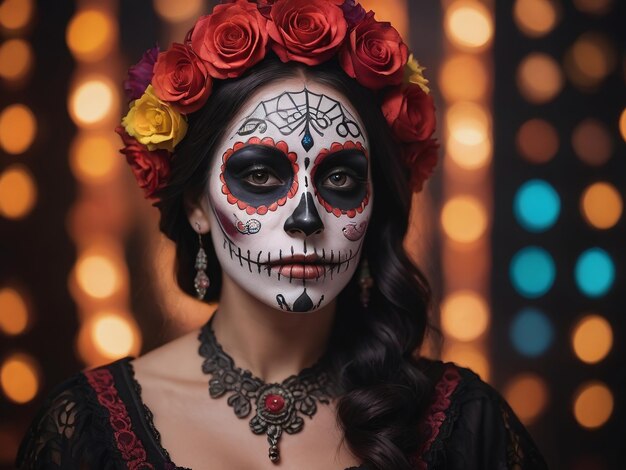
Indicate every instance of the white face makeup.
{"type": "Point", "coordinates": [291, 194]}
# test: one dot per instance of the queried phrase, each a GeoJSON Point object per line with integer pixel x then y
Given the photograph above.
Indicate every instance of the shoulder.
{"type": "Point", "coordinates": [74, 426]}
{"type": "Point", "coordinates": [469, 425]}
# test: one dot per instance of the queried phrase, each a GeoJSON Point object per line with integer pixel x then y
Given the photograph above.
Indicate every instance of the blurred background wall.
{"type": "Point", "coordinates": [521, 230]}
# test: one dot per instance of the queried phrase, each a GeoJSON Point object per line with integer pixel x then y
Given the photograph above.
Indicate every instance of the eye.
{"type": "Point", "coordinates": [340, 180]}
{"type": "Point", "coordinates": [262, 177]}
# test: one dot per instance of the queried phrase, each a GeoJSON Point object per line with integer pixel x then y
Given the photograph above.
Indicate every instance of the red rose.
{"type": "Point", "coordinates": [180, 78]}
{"type": "Point", "coordinates": [410, 113]}
{"type": "Point", "coordinates": [231, 39]}
{"type": "Point", "coordinates": [151, 169]}
{"type": "Point", "coordinates": [307, 31]}
{"type": "Point", "coordinates": [421, 158]}
{"type": "Point", "coordinates": [374, 54]}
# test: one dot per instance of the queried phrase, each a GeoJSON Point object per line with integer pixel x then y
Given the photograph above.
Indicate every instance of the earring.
{"type": "Point", "coordinates": [201, 282]}
{"type": "Point", "coordinates": [365, 282]}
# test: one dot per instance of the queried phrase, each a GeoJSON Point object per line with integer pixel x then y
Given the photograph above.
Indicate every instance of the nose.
{"type": "Point", "coordinates": [305, 218]}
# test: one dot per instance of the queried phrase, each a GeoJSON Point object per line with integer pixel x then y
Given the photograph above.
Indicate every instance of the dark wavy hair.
{"type": "Point", "coordinates": [372, 350]}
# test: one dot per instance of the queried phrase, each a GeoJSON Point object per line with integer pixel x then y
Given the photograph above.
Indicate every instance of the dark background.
{"type": "Point", "coordinates": [38, 252]}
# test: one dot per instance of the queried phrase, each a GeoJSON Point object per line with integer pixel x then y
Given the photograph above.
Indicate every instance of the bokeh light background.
{"type": "Point", "coordinates": [521, 231]}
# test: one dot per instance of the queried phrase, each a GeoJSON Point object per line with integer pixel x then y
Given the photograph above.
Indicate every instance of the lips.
{"type": "Point", "coordinates": [301, 266]}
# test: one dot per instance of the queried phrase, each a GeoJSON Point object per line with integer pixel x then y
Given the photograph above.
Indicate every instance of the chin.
{"type": "Point", "coordinates": [291, 294]}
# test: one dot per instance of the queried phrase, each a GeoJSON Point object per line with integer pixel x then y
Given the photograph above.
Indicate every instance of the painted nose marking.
{"type": "Point", "coordinates": [305, 218]}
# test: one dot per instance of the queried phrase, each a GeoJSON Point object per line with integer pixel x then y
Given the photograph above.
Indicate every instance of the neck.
{"type": "Point", "coordinates": [270, 343]}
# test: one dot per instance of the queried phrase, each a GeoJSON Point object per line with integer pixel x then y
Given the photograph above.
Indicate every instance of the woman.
{"type": "Point", "coordinates": [282, 142]}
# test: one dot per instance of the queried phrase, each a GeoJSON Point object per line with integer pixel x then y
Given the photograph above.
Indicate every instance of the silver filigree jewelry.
{"type": "Point", "coordinates": [365, 282]}
{"type": "Point", "coordinates": [201, 282]}
{"type": "Point", "coordinates": [277, 407]}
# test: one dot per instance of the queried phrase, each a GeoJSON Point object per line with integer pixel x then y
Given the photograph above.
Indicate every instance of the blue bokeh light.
{"type": "Point", "coordinates": [536, 205]}
{"type": "Point", "coordinates": [531, 332]}
{"type": "Point", "coordinates": [532, 272]}
{"type": "Point", "coordinates": [594, 272]}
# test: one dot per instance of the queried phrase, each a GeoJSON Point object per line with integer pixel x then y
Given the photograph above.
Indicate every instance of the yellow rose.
{"type": "Point", "coordinates": [154, 123]}
{"type": "Point", "coordinates": [413, 73]}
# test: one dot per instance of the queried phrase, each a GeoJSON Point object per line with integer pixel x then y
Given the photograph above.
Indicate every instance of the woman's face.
{"type": "Point", "coordinates": [290, 195]}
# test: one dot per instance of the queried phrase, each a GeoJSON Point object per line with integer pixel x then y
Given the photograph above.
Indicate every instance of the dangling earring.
{"type": "Point", "coordinates": [201, 282]}
{"type": "Point", "coordinates": [365, 282]}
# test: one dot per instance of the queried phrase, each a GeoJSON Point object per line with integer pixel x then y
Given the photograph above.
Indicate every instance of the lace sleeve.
{"type": "Point", "coordinates": [68, 432]}
{"type": "Point", "coordinates": [486, 433]}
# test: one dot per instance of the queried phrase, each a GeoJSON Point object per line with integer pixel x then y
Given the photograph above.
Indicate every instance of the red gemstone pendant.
{"type": "Point", "coordinates": [274, 403]}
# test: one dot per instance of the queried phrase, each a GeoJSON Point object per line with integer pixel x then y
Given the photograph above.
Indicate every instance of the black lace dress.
{"type": "Point", "coordinates": [97, 420]}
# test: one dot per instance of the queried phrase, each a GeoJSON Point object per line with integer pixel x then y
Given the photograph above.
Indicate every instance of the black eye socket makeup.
{"type": "Point", "coordinates": [341, 179]}
{"type": "Point", "coordinates": [258, 174]}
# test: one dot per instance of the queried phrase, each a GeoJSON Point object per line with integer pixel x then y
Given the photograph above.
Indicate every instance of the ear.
{"type": "Point", "coordinates": [197, 208]}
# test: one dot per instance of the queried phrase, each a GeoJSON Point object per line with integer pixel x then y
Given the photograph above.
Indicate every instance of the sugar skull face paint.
{"type": "Point", "coordinates": [290, 195]}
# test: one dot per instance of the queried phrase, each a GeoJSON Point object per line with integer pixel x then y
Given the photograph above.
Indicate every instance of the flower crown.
{"type": "Point", "coordinates": [164, 87]}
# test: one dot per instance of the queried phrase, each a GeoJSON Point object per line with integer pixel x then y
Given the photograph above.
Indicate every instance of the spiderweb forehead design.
{"type": "Point", "coordinates": [304, 112]}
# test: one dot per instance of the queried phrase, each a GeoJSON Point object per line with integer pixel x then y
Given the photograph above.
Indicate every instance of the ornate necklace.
{"type": "Point", "coordinates": [278, 407]}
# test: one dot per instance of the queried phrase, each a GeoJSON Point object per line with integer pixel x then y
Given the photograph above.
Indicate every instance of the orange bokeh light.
{"type": "Point", "coordinates": [464, 315]}
{"type": "Point", "coordinates": [468, 24]}
{"type": "Point", "coordinates": [590, 59]}
{"type": "Point", "coordinates": [14, 312]}
{"type": "Point", "coordinates": [535, 17]}
{"type": "Point", "coordinates": [108, 335]}
{"type": "Point", "coordinates": [16, 59]}
{"type": "Point", "coordinates": [18, 192]}
{"type": "Point", "coordinates": [19, 378]}
{"type": "Point", "coordinates": [18, 128]}
{"type": "Point", "coordinates": [539, 78]}
{"type": "Point", "coordinates": [468, 156]}
{"type": "Point", "coordinates": [464, 77]}
{"type": "Point", "coordinates": [593, 405]}
{"type": "Point", "coordinates": [464, 219]}
{"type": "Point", "coordinates": [592, 142]}
{"type": "Point", "coordinates": [468, 122]}
{"type": "Point", "coordinates": [92, 101]}
{"type": "Point", "coordinates": [468, 142]}
{"type": "Point", "coordinates": [91, 34]}
{"type": "Point", "coordinates": [528, 396]}
{"type": "Point", "coordinates": [596, 7]}
{"type": "Point", "coordinates": [176, 11]}
{"type": "Point", "coordinates": [94, 157]}
{"type": "Point", "coordinates": [592, 339]}
{"type": "Point", "coordinates": [537, 141]}
{"type": "Point", "coordinates": [98, 275]}
{"type": "Point", "coordinates": [602, 205]}
{"type": "Point", "coordinates": [114, 335]}
{"type": "Point", "coordinates": [16, 14]}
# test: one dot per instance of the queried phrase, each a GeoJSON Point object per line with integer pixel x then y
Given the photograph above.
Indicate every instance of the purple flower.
{"type": "Point", "coordinates": [140, 74]}
{"type": "Point", "coordinates": [353, 12]}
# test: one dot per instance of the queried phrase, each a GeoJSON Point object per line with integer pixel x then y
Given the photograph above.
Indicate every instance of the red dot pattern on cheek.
{"type": "Point", "coordinates": [262, 209]}
{"type": "Point", "coordinates": [335, 147]}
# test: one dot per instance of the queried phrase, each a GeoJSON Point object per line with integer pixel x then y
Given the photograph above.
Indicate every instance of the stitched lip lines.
{"type": "Point", "coordinates": [315, 266]}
